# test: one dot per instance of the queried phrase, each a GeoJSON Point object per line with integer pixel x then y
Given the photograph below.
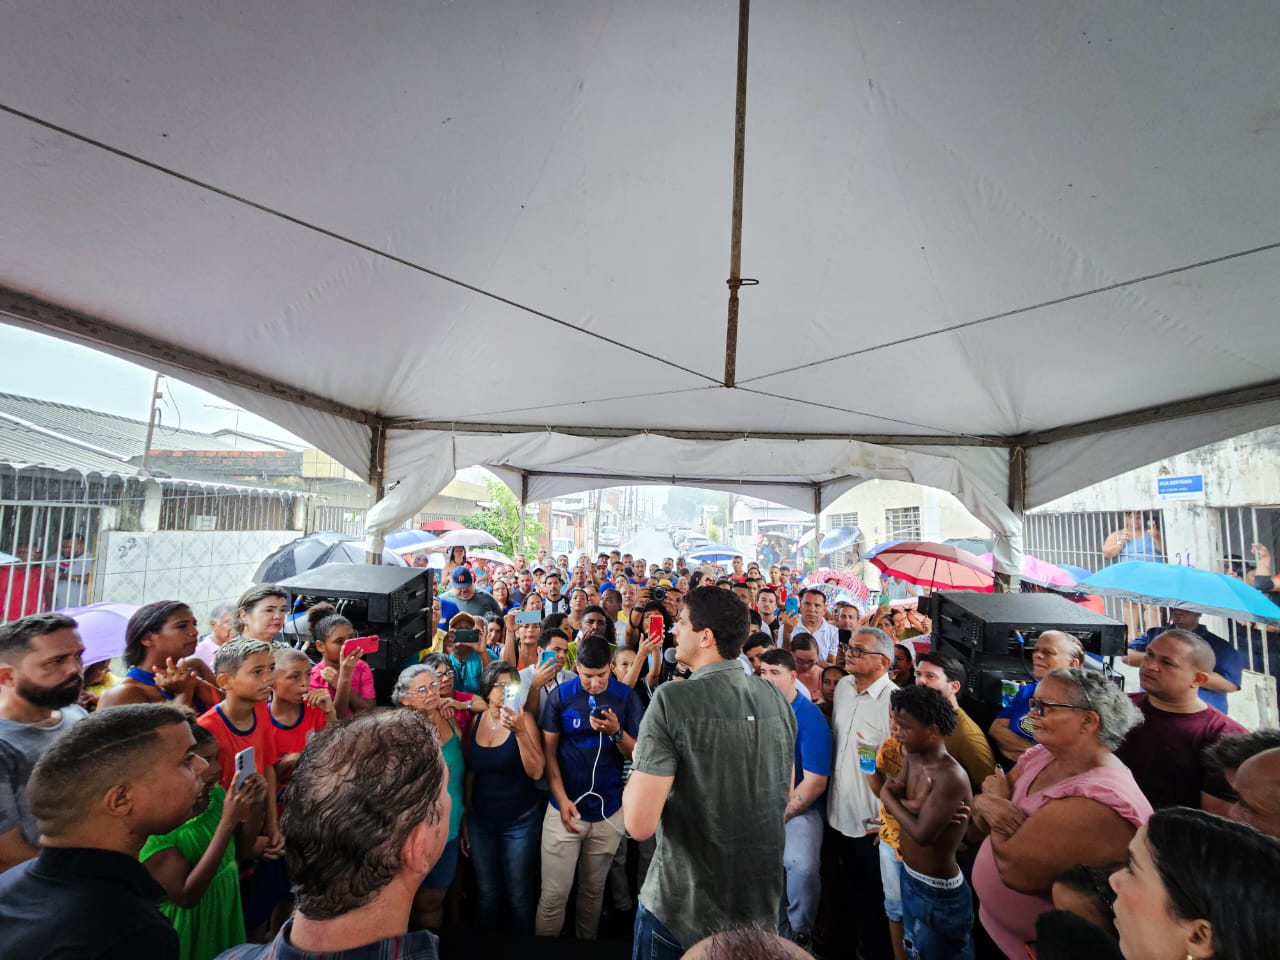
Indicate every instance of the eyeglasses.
{"type": "Point", "coordinates": [856, 652]}
{"type": "Point", "coordinates": [805, 664]}
{"type": "Point", "coordinates": [1040, 707]}
{"type": "Point", "coordinates": [446, 672]}
{"type": "Point", "coordinates": [423, 691]}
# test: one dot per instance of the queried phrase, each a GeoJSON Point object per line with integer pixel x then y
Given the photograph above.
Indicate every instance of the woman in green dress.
{"type": "Point", "coordinates": [196, 863]}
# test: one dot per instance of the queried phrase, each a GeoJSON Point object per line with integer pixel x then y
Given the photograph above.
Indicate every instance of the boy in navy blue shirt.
{"type": "Point", "coordinates": [589, 727]}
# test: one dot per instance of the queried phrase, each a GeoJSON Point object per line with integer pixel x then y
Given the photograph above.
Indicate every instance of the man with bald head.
{"type": "Point", "coordinates": [1165, 751]}
{"type": "Point", "coordinates": [1257, 783]}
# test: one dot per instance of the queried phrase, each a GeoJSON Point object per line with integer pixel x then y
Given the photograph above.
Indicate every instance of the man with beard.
{"type": "Point", "coordinates": [40, 680]}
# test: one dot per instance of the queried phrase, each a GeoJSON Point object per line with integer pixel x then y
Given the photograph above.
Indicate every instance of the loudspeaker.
{"type": "Point", "coordinates": [392, 602]}
{"type": "Point", "coordinates": [990, 623]}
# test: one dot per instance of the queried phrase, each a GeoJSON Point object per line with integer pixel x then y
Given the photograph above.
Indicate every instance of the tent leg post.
{"type": "Point", "coordinates": [524, 498]}
{"type": "Point", "coordinates": [1017, 498]}
{"type": "Point", "coordinates": [817, 510]}
{"type": "Point", "coordinates": [377, 480]}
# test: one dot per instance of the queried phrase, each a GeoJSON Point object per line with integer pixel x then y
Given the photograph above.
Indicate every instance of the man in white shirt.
{"type": "Point", "coordinates": [859, 724]}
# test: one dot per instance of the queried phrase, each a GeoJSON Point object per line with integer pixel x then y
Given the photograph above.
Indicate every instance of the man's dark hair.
{"type": "Point", "coordinates": [757, 639]}
{"type": "Point", "coordinates": [550, 633]}
{"type": "Point", "coordinates": [104, 749]}
{"type": "Point", "coordinates": [804, 641]}
{"type": "Point", "coordinates": [779, 658]}
{"type": "Point", "coordinates": [949, 665]}
{"type": "Point", "coordinates": [763, 590]}
{"type": "Point", "coordinates": [554, 575]}
{"type": "Point", "coordinates": [723, 613]}
{"type": "Point", "coordinates": [617, 593]}
{"type": "Point", "coordinates": [927, 705]}
{"type": "Point", "coordinates": [593, 652]}
{"type": "Point", "coordinates": [348, 810]}
{"type": "Point", "coordinates": [554, 621]}
{"type": "Point", "coordinates": [16, 637]}
{"type": "Point", "coordinates": [146, 620]}
{"type": "Point", "coordinates": [1221, 871]}
{"type": "Point", "coordinates": [813, 591]}
{"type": "Point", "coordinates": [492, 676]}
{"type": "Point", "coordinates": [1229, 752]}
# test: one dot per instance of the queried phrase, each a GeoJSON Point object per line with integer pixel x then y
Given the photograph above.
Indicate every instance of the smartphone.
{"type": "Point", "coordinates": [246, 767]}
{"type": "Point", "coordinates": [528, 616]}
{"type": "Point", "coordinates": [546, 657]}
{"type": "Point", "coordinates": [599, 712]}
{"type": "Point", "coordinates": [655, 628]}
{"type": "Point", "coordinates": [792, 605]}
{"type": "Point", "coordinates": [466, 636]}
{"type": "Point", "coordinates": [368, 644]}
{"type": "Point", "coordinates": [510, 695]}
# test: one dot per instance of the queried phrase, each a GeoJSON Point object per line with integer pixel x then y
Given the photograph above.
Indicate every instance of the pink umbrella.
{"type": "Point", "coordinates": [1037, 571]}
{"type": "Point", "coordinates": [936, 565]}
{"type": "Point", "coordinates": [844, 580]}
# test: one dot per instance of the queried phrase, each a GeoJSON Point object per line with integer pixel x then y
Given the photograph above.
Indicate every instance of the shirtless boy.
{"type": "Point", "coordinates": [930, 799]}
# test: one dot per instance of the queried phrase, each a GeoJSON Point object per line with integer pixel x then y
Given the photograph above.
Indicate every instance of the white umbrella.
{"type": "Point", "coordinates": [465, 538]}
{"type": "Point", "coordinates": [495, 555]}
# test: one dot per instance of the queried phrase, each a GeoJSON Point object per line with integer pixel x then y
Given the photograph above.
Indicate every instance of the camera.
{"type": "Point", "coordinates": [658, 593]}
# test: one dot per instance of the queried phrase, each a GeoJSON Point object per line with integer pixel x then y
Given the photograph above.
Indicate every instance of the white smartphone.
{"type": "Point", "coordinates": [246, 767]}
{"type": "Point", "coordinates": [510, 695]}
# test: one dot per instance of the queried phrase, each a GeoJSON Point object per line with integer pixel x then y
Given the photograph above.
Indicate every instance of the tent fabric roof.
{"type": "Point", "coordinates": [972, 224]}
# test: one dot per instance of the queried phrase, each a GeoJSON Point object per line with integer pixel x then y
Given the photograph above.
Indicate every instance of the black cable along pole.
{"type": "Point", "coordinates": [735, 229]}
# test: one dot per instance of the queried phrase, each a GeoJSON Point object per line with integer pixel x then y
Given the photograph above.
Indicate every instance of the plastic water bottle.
{"type": "Point", "coordinates": [1008, 690]}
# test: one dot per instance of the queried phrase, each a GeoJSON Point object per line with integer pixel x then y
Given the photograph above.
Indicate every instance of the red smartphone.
{"type": "Point", "coordinates": [367, 644]}
{"type": "Point", "coordinates": [655, 628]}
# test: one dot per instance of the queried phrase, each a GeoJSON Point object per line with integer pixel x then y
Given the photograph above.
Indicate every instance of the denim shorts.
{"type": "Point", "coordinates": [937, 924]}
{"type": "Point", "coordinates": [891, 879]}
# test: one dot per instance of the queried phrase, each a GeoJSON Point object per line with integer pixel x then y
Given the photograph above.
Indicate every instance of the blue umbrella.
{"type": "Point", "coordinates": [1080, 573]}
{"type": "Point", "coordinates": [404, 541]}
{"type": "Point", "coordinates": [713, 553]}
{"type": "Point", "coordinates": [1186, 588]}
{"type": "Point", "coordinates": [839, 538]}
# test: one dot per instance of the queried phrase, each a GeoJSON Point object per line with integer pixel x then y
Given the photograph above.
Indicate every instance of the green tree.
{"type": "Point", "coordinates": [502, 519]}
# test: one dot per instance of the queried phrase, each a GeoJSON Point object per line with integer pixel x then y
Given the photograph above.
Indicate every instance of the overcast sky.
{"type": "Point", "coordinates": [51, 369]}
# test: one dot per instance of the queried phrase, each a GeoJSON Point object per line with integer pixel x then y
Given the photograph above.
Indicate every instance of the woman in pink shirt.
{"type": "Point", "coordinates": [1068, 801]}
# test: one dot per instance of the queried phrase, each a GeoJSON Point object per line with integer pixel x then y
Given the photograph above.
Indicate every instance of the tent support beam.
{"type": "Point", "coordinates": [669, 479]}
{"type": "Point", "coordinates": [1017, 500]}
{"type": "Point", "coordinates": [735, 223]}
{"type": "Point", "coordinates": [377, 480]}
{"type": "Point", "coordinates": [44, 317]}
{"type": "Point", "coordinates": [880, 439]}
{"type": "Point", "coordinates": [1209, 403]}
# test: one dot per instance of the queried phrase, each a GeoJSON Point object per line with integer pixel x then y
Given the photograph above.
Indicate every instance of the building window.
{"type": "Point", "coordinates": [837, 520]}
{"type": "Point", "coordinates": [902, 523]}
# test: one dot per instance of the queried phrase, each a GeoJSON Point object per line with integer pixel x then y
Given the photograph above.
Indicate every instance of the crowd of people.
{"type": "Point", "coordinates": [718, 762]}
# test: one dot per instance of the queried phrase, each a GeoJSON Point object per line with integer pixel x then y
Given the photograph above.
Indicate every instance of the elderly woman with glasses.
{"type": "Point", "coordinates": [428, 688]}
{"type": "Point", "coordinates": [1068, 801]}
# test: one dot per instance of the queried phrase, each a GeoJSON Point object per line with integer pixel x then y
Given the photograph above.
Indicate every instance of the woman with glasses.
{"type": "Point", "coordinates": [421, 687]}
{"type": "Point", "coordinates": [1011, 731]}
{"type": "Point", "coordinates": [1068, 801]}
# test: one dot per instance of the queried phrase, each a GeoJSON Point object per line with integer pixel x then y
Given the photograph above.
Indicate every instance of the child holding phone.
{"type": "Point", "coordinates": [345, 675]}
{"type": "Point", "coordinates": [196, 863]}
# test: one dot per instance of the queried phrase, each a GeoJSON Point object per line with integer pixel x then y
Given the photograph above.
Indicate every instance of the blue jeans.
{"type": "Point", "coordinates": [505, 861]}
{"type": "Point", "coordinates": [891, 878]}
{"type": "Point", "coordinates": [652, 940]}
{"type": "Point", "coordinates": [937, 924]}
{"type": "Point", "coordinates": [801, 857]}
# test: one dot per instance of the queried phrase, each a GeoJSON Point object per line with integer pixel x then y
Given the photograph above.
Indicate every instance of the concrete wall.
{"type": "Point", "coordinates": [942, 516]}
{"type": "Point", "coordinates": [200, 568]}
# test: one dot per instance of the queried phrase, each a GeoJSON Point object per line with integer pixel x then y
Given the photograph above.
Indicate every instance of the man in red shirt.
{"type": "Point", "coordinates": [24, 587]}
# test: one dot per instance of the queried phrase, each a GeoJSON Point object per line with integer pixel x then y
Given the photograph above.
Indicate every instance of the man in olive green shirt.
{"type": "Point", "coordinates": [712, 774]}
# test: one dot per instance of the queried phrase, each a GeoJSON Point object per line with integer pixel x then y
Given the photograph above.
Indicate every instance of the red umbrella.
{"type": "Point", "coordinates": [928, 564]}
{"type": "Point", "coordinates": [440, 526]}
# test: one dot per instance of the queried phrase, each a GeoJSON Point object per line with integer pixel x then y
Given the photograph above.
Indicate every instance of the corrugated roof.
{"type": "Point", "coordinates": [22, 446]}
{"type": "Point", "coordinates": [122, 436]}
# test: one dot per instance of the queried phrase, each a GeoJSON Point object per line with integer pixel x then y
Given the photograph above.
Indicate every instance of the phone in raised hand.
{"type": "Point", "coordinates": [368, 645]}
{"type": "Point", "coordinates": [246, 767]}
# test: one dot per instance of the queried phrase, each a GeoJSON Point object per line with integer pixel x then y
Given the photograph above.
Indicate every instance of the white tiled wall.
{"type": "Point", "coordinates": [200, 568]}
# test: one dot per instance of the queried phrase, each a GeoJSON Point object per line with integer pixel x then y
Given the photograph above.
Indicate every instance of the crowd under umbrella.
{"type": "Point", "coordinates": [102, 629]}
{"type": "Point", "coordinates": [316, 550]}
{"type": "Point", "coordinates": [934, 565]}
{"type": "Point", "coordinates": [1184, 588]}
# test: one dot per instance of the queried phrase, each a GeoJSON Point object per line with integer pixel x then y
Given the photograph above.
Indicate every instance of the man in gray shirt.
{"type": "Point", "coordinates": [41, 677]}
{"type": "Point", "coordinates": [466, 599]}
{"type": "Point", "coordinates": [712, 776]}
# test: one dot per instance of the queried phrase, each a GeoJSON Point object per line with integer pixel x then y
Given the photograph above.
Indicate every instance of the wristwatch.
{"type": "Point", "coordinates": [616, 737]}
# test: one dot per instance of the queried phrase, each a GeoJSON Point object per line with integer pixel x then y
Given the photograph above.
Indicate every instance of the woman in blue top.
{"type": "Point", "coordinates": [504, 810]}
{"type": "Point", "coordinates": [418, 689]}
{"type": "Point", "coordinates": [1011, 730]}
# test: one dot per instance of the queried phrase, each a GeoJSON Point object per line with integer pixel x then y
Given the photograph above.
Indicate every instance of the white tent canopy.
{"type": "Point", "coordinates": [1004, 249]}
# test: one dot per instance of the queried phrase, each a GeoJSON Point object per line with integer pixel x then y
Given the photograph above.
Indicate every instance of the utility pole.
{"type": "Point", "coordinates": [151, 424]}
